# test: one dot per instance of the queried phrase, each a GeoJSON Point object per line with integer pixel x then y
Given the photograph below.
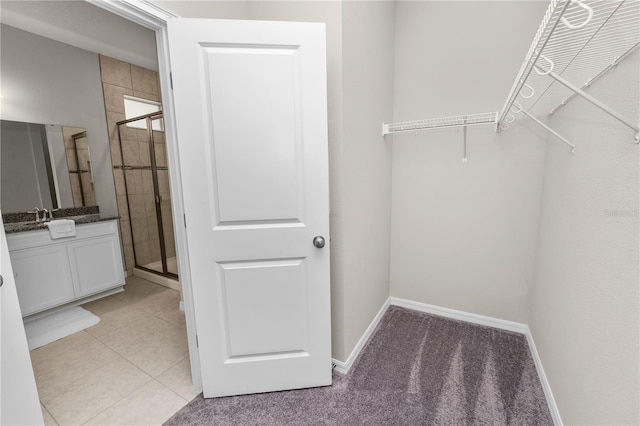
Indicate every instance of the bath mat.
{"type": "Point", "coordinates": [49, 328]}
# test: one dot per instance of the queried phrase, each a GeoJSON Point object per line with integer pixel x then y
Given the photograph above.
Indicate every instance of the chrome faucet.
{"type": "Point", "coordinates": [37, 213]}
{"type": "Point", "coordinates": [51, 213]}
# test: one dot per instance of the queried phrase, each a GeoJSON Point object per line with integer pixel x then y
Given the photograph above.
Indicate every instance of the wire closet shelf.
{"type": "Point", "coordinates": [577, 42]}
{"type": "Point", "coordinates": [444, 122]}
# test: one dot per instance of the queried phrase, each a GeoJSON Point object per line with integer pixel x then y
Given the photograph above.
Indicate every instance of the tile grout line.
{"type": "Point", "coordinates": [128, 394]}
{"type": "Point", "coordinates": [49, 412]}
{"type": "Point", "coordinates": [99, 368]}
{"type": "Point", "coordinates": [67, 348]}
{"type": "Point", "coordinates": [119, 328]}
{"type": "Point", "coordinates": [98, 339]}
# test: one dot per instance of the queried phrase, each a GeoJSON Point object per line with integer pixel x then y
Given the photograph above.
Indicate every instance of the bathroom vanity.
{"type": "Point", "coordinates": [71, 270]}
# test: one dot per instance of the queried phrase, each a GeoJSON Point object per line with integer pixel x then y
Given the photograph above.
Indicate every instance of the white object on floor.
{"type": "Point", "coordinates": [49, 328]}
{"type": "Point", "coordinates": [61, 228]}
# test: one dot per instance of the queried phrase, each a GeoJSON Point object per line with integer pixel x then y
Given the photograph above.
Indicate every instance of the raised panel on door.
{"type": "Point", "coordinates": [43, 278]}
{"type": "Point", "coordinates": [96, 264]}
{"type": "Point", "coordinates": [259, 318]}
{"type": "Point", "coordinates": [254, 102]}
{"type": "Point", "coordinates": [251, 101]}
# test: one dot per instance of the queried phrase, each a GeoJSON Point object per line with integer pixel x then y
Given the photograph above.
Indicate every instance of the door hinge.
{"type": "Point", "coordinates": [197, 344]}
{"type": "Point", "coordinates": [171, 80]}
{"type": "Point", "coordinates": [184, 217]}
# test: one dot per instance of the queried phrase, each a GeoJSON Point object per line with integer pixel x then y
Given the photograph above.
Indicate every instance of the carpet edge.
{"type": "Point", "coordinates": [343, 367]}
{"type": "Point", "coordinates": [460, 315]}
{"type": "Point", "coordinates": [546, 386]}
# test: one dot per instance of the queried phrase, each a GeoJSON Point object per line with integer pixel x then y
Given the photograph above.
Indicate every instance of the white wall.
{"type": "Point", "coordinates": [463, 235]}
{"type": "Point", "coordinates": [47, 82]}
{"type": "Point", "coordinates": [219, 9]}
{"type": "Point", "coordinates": [367, 62]}
{"type": "Point", "coordinates": [85, 26]}
{"type": "Point", "coordinates": [584, 312]}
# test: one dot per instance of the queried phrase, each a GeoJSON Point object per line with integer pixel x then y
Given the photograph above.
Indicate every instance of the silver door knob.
{"type": "Point", "coordinates": [318, 241]}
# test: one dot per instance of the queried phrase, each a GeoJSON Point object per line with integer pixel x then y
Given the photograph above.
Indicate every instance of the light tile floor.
{"type": "Point", "coordinates": [132, 368]}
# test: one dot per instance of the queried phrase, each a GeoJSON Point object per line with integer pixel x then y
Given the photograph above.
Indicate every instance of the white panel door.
{"type": "Point", "coordinates": [251, 118]}
{"type": "Point", "coordinates": [19, 402]}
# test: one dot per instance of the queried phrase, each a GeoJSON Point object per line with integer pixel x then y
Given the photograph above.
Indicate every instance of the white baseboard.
{"type": "Point", "coordinates": [343, 367]}
{"type": "Point", "coordinates": [460, 315]}
{"type": "Point", "coordinates": [546, 387]}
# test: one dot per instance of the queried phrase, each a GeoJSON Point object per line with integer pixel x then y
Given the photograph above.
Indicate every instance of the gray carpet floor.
{"type": "Point", "coordinates": [417, 369]}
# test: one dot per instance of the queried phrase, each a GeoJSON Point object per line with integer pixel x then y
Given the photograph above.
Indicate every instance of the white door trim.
{"type": "Point", "coordinates": [150, 15]}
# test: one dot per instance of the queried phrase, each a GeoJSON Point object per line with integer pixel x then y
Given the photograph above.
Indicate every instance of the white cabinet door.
{"type": "Point", "coordinates": [96, 264]}
{"type": "Point", "coordinates": [251, 119]}
{"type": "Point", "coordinates": [43, 277]}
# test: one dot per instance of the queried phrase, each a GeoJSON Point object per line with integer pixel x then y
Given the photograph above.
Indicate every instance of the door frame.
{"type": "Point", "coordinates": [150, 15]}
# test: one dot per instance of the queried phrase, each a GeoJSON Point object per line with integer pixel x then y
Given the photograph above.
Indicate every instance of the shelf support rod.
{"type": "Point", "coordinates": [550, 130]}
{"type": "Point", "coordinates": [600, 74]}
{"type": "Point", "coordinates": [597, 103]}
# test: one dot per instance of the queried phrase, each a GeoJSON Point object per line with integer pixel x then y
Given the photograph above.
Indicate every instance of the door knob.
{"type": "Point", "coordinates": [318, 241]}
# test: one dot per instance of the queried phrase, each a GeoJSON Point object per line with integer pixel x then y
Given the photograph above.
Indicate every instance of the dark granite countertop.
{"type": "Point", "coordinates": [33, 226]}
{"type": "Point", "coordinates": [22, 221]}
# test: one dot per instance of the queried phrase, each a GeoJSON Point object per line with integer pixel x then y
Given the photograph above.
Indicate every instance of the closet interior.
{"type": "Point", "coordinates": [577, 41]}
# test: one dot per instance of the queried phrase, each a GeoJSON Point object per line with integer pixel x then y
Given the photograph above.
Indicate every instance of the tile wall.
{"type": "Point", "coordinates": [120, 79]}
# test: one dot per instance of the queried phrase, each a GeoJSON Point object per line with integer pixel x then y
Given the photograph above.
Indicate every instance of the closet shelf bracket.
{"type": "Point", "coordinates": [615, 114]}
{"type": "Point", "coordinates": [548, 25]}
{"type": "Point", "coordinates": [596, 77]}
{"type": "Point", "coordinates": [550, 130]}
{"type": "Point", "coordinates": [440, 123]}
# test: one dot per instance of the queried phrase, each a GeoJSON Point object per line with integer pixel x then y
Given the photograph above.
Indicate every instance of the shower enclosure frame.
{"type": "Point", "coordinates": [79, 170]}
{"type": "Point", "coordinates": [156, 190]}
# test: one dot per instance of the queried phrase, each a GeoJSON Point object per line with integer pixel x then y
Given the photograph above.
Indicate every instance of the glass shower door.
{"type": "Point", "coordinates": [158, 150]}
{"type": "Point", "coordinates": [148, 197]}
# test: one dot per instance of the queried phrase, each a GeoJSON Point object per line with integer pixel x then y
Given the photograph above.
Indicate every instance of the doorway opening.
{"type": "Point", "coordinates": [148, 195]}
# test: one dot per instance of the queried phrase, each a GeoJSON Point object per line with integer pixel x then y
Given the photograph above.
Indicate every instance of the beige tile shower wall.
{"type": "Point", "coordinates": [119, 79]}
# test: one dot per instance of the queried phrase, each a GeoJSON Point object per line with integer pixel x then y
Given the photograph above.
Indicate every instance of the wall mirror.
{"type": "Point", "coordinates": [45, 166]}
